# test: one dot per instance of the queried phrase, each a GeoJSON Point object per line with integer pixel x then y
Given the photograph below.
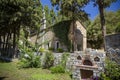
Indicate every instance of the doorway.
{"type": "Point", "coordinates": [86, 73]}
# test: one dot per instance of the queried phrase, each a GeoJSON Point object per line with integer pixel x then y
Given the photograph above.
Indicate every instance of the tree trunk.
{"type": "Point", "coordinates": [74, 40]}
{"type": "Point", "coordinates": [102, 20]}
{"type": "Point", "coordinates": [9, 45]}
{"type": "Point", "coordinates": [72, 36]}
{"type": "Point", "coordinates": [6, 45]}
{"type": "Point", "coordinates": [14, 42]}
{"type": "Point", "coordinates": [3, 47]}
{"type": "Point", "coordinates": [0, 45]}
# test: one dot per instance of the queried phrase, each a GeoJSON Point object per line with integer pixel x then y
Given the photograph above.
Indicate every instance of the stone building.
{"type": "Point", "coordinates": [50, 39]}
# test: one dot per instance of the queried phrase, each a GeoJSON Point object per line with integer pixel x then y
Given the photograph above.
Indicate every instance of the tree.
{"type": "Point", "coordinates": [101, 5]}
{"type": "Point", "coordinates": [73, 10]}
{"type": "Point", "coordinates": [50, 16]}
{"type": "Point", "coordinates": [117, 30]}
{"type": "Point", "coordinates": [94, 34]}
{"type": "Point", "coordinates": [14, 15]}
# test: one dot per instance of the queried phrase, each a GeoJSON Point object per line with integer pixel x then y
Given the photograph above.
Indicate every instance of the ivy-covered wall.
{"type": "Point", "coordinates": [61, 31]}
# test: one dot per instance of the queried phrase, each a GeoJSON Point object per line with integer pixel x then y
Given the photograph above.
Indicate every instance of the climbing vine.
{"type": "Point", "coordinates": [61, 31]}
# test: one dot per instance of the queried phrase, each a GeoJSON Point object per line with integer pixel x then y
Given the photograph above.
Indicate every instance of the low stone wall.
{"type": "Point", "coordinates": [76, 62]}
{"type": "Point", "coordinates": [114, 55]}
{"type": "Point", "coordinates": [113, 47]}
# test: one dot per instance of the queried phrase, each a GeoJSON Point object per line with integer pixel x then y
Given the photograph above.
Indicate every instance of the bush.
{"type": "Point", "coordinates": [60, 50]}
{"type": "Point", "coordinates": [64, 59]}
{"type": "Point", "coordinates": [112, 71]}
{"type": "Point", "coordinates": [57, 69]}
{"type": "Point", "coordinates": [28, 59]}
{"type": "Point", "coordinates": [41, 49]}
{"type": "Point", "coordinates": [48, 59]}
{"type": "Point", "coordinates": [51, 49]}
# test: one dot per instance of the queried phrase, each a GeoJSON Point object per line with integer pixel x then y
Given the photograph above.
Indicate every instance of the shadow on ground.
{"type": "Point", "coordinates": [2, 78]}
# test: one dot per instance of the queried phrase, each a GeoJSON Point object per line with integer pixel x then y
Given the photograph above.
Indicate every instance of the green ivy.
{"type": "Point", "coordinates": [61, 31]}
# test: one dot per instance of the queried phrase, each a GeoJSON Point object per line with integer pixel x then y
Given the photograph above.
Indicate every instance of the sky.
{"type": "Point", "coordinates": [92, 11]}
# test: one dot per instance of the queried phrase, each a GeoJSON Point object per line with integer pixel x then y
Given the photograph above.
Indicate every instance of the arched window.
{"type": "Point", "coordinates": [57, 44]}
{"type": "Point", "coordinates": [97, 59]}
{"type": "Point", "coordinates": [87, 62]}
{"type": "Point", "coordinates": [78, 58]}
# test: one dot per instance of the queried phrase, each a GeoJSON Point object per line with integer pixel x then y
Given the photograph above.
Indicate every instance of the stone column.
{"type": "Point", "coordinates": [84, 40]}
{"type": "Point", "coordinates": [84, 43]}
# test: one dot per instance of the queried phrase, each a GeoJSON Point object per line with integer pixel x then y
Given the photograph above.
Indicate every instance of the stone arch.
{"type": "Point", "coordinates": [87, 62]}
{"type": "Point", "coordinates": [83, 33]}
{"type": "Point", "coordinates": [79, 58]}
{"type": "Point", "coordinates": [97, 59]}
{"type": "Point", "coordinates": [57, 45]}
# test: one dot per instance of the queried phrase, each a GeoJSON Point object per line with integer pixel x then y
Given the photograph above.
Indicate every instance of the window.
{"type": "Point", "coordinates": [97, 59]}
{"type": "Point", "coordinates": [78, 58]}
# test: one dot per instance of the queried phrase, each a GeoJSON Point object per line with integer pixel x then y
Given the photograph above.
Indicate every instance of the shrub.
{"type": "Point", "coordinates": [64, 59]}
{"type": "Point", "coordinates": [51, 49]}
{"type": "Point", "coordinates": [48, 59]}
{"type": "Point", "coordinates": [60, 50]}
{"type": "Point", "coordinates": [28, 59]}
{"type": "Point", "coordinates": [41, 49]}
{"type": "Point", "coordinates": [57, 69]}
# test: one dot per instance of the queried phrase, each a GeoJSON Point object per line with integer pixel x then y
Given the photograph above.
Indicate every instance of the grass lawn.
{"type": "Point", "coordinates": [9, 71]}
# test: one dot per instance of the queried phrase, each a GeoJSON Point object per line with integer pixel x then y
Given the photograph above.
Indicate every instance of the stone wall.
{"type": "Point", "coordinates": [113, 41]}
{"type": "Point", "coordinates": [113, 47]}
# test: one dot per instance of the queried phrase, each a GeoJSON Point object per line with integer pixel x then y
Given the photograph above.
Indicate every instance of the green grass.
{"type": "Point", "coordinates": [9, 71]}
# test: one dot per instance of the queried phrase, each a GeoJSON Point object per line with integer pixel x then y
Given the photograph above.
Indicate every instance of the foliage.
{"type": "Point", "coordinates": [117, 30]}
{"type": "Point", "coordinates": [71, 8]}
{"type": "Point", "coordinates": [60, 50]}
{"type": "Point", "coordinates": [51, 49]}
{"type": "Point", "coordinates": [48, 60]}
{"type": "Point", "coordinates": [42, 50]}
{"type": "Point", "coordinates": [107, 3]}
{"type": "Point", "coordinates": [103, 77]}
{"type": "Point", "coordinates": [30, 62]}
{"type": "Point", "coordinates": [112, 22]}
{"type": "Point", "coordinates": [50, 16]}
{"type": "Point", "coordinates": [16, 15]}
{"type": "Point", "coordinates": [61, 31]}
{"type": "Point", "coordinates": [28, 58]}
{"type": "Point", "coordinates": [112, 70]}
{"type": "Point", "coordinates": [94, 35]}
{"type": "Point", "coordinates": [57, 69]}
